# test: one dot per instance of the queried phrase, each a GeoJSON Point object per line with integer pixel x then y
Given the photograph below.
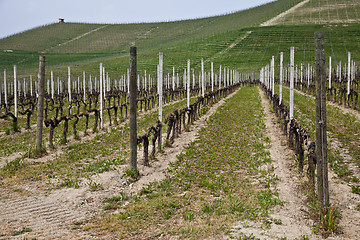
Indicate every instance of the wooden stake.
{"type": "Point", "coordinates": [281, 76]}
{"type": "Point", "coordinates": [321, 138]}
{"type": "Point", "coordinates": [330, 72]}
{"type": "Point", "coordinates": [133, 106]}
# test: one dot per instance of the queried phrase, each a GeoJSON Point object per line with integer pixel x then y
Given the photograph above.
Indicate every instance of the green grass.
{"type": "Point", "coordinates": [211, 185]}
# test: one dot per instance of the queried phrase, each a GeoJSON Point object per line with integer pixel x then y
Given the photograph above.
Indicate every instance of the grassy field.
{"type": "Point", "coordinates": [221, 178]}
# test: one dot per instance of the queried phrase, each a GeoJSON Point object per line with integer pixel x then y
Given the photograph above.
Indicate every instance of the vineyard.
{"type": "Point", "coordinates": [227, 121]}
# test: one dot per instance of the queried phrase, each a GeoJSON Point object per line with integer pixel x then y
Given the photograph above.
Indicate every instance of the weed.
{"type": "Point", "coordinates": [207, 208]}
{"type": "Point", "coordinates": [355, 189]}
{"type": "Point", "coordinates": [69, 182]}
{"type": "Point", "coordinates": [77, 223]}
{"type": "Point", "coordinates": [94, 186]}
{"type": "Point", "coordinates": [19, 232]}
{"type": "Point", "coordinates": [188, 215]}
{"type": "Point", "coordinates": [167, 214]}
{"type": "Point", "coordinates": [268, 223]}
{"type": "Point", "coordinates": [13, 166]}
{"type": "Point", "coordinates": [278, 221]}
{"type": "Point", "coordinates": [131, 173]}
{"type": "Point", "coordinates": [328, 220]}
{"type": "Point", "coordinates": [77, 137]}
{"type": "Point", "coordinates": [115, 202]}
{"type": "Point", "coordinates": [33, 153]}
{"type": "Point", "coordinates": [168, 143]}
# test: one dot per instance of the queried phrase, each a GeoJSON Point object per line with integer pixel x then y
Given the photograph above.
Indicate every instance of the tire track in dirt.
{"type": "Point", "coordinates": [47, 217]}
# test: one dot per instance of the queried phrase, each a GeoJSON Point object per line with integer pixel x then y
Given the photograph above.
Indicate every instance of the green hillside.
{"type": "Point", "coordinates": [236, 40]}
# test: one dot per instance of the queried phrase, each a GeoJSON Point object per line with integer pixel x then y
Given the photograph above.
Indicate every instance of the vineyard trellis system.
{"type": "Point", "coordinates": [73, 100]}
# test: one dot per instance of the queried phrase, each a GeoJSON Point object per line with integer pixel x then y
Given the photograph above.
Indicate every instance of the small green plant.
{"type": "Point", "coordinates": [188, 215]}
{"type": "Point", "coordinates": [77, 137]}
{"type": "Point", "coordinates": [328, 220]}
{"type": "Point", "coordinates": [207, 208]}
{"type": "Point", "coordinates": [131, 173]}
{"type": "Point", "coordinates": [115, 202]}
{"type": "Point", "coordinates": [22, 231]}
{"type": "Point", "coordinates": [69, 182]}
{"type": "Point", "coordinates": [14, 165]}
{"type": "Point", "coordinates": [33, 153]}
{"type": "Point", "coordinates": [355, 189]}
{"type": "Point", "coordinates": [63, 141]}
{"type": "Point", "coordinates": [168, 143]}
{"type": "Point", "coordinates": [167, 214]}
{"type": "Point", "coordinates": [94, 186]}
{"type": "Point", "coordinates": [268, 223]}
{"type": "Point", "coordinates": [277, 221]}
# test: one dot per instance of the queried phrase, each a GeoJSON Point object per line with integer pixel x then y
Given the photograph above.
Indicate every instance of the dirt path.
{"type": "Point", "coordinates": [293, 216]}
{"type": "Point", "coordinates": [273, 20]}
{"type": "Point", "coordinates": [294, 223]}
{"type": "Point", "coordinates": [54, 214]}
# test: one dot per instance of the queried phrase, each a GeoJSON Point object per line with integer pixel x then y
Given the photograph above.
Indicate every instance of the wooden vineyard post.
{"type": "Point", "coordinates": [321, 137]}
{"type": "Point", "coordinates": [272, 76]}
{"type": "Point", "coordinates": [15, 92]}
{"type": "Point", "coordinates": [348, 74]}
{"type": "Point", "coordinates": [281, 76]}
{"type": "Point", "coordinates": [5, 89]}
{"type": "Point", "coordinates": [133, 106]}
{"type": "Point", "coordinates": [330, 72]}
{"type": "Point", "coordinates": [160, 89]}
{"type": "Point", "coordinates": [188, 84]}
{"type": "Point", "coordinates": [40, 110]}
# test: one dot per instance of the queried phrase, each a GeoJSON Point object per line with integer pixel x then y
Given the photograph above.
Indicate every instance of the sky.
{"type": "Point", "coordinates": [21, 15]}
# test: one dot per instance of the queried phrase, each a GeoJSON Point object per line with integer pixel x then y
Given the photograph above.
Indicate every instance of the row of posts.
{"type": "Point", "coordinates": [267, 77]}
